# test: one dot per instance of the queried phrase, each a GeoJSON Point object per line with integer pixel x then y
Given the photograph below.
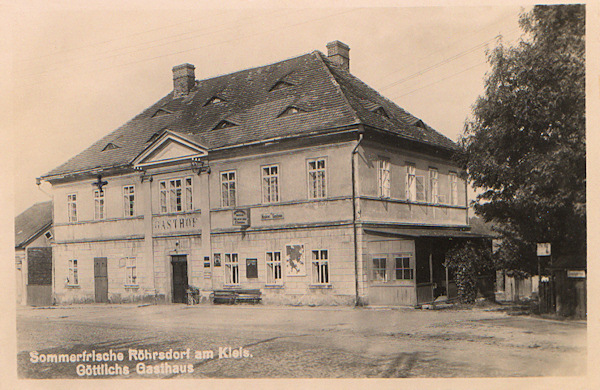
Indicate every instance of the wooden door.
{"type": "Point", "coordinates": [180, 278]}
{"type": "Point", "coordinates": [101, 280]}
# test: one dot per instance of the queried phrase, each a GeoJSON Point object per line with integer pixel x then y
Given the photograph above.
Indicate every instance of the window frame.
{"type": "Point", "coordinates": [322, 194]}
{"type": "Point", "coordinates": [453, 179]}
{"type": "Point", "coordinates": [99, 204]}
{"type": "Point", "coordinates": [384, 182]}
{"type": "Point", "coordinates": [271, 267]}
{"type": "Point", "coordinates": [410, 269]}
{"type": "Point", "coordinates": [411, 182]}
{"type": "Point", "coordinates": [232, 269]}
{"type": "Point", "coordinates": [228, 203]}
{"type": "Point", "coordinates": [131, 279]}
{"type": "Point", "coordinates": [434, 185]}
{"type": "Point", "coordinates": [167, 195]}
{"type": "Point", "coordinates": [270, 184]}
{"type": "Point", "coordinates": [72, 272]}
{"type": "Point", "coordinates": [129, 200]}
{"type": "Point", "coordinates": [319, 262]}
{"type": "Point", "coordinates": [72, 207]}
{"type": "Point", "coordinates": [374, 270]}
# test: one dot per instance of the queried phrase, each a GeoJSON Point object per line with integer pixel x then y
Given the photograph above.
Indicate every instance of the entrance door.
{"type": "Point", "coordinates": [100, 280]}
{"type": "Point", "coordinates": [180, 278]}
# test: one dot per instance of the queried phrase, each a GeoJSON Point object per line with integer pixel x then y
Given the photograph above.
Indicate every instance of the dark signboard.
{"type": "Point", "coordinates": [251, 268]}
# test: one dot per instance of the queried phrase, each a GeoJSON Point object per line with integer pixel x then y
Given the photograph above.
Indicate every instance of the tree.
{"type": "Point", "coordinates": [525, 146]}
{"type": "Point", "coordinates": [468, 260]}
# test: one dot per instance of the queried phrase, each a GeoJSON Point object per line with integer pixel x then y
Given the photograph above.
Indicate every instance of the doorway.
{"type": "Point", "coordinates": [100, 280]}
{"type": "Point", "coordinates": [180, 278]}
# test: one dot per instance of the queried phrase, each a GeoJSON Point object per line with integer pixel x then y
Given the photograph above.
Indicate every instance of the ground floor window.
{"type": "Point", "coordinates": [379, 269]}
{"type": "Point", "coordinates": [73, 277]}
{"type": "Point", "coordinates": [274, 268]}
{"type": "Point", "coordinates": [232, 272]}
{"type": "Point", "coordinates": [404, 270]}
{"type": "Point", "coordinates": [320, 267]}
{"type": "Point", "coordinates": [130, 271]}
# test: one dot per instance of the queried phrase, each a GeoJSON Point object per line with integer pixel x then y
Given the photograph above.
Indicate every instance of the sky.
{"type": "Point", "coordinates": [80, 71]}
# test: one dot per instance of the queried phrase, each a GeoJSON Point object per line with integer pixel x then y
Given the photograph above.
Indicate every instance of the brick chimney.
{"type": "Point", "coordinates": [339, 53]}
{"type": "Point", "coordinates": [184, 79]}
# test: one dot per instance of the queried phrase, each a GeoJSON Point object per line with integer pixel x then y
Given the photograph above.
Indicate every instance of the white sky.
{"type": "Point", "coordinates": [79, 73]}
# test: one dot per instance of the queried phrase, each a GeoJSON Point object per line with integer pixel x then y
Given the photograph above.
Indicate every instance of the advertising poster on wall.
{"type": "Point", "coordinates": [295, 264]}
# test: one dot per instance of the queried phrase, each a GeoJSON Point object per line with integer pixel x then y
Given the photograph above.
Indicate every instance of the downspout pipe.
{"type": "Point", "coordinates": [361, 132]}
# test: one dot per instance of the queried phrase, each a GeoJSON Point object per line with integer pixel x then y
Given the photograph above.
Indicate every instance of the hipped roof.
{"type": "Point", "coordinates": [328, 97]}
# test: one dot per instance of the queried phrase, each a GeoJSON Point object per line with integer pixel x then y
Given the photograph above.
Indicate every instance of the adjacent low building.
{"type": "Point", "coordinates": [294, 178]}
{"type": "Point", "coordinates": [33, 255]}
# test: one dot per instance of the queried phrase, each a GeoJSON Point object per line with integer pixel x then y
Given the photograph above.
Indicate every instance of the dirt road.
{"type": "Point", "coordinates": [295, 342]}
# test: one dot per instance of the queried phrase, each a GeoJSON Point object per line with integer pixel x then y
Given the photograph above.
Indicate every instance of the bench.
{"type": "Point", "coordinates": [235, 296]}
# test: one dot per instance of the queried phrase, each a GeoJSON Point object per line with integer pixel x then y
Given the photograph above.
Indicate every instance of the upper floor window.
{"type": "Point", "coordinates": [129, 201]}
{"type": "Point", "coordinates": [320, 267]}
{"type": "Point", "coordinates": [175, 195]}
{"type": "Point", "coordinates": [453, 188]}
{"type": "Point", "coordinates": [433, 185]}
{"type": "Point", "coordinates": [72, 207]}
{"type": "Point", "coordinates": [270, 183]}
{"type": "Point", "coordinates": [228, 189]}
{"type": "Point", "coordinates": [98, 204]}
{"type": "Point", "coordinates": [383, 177]}
{"type": "Point", "coordinates": [317, 183]}
{"type": "Point", "coordinates": [411, 183]}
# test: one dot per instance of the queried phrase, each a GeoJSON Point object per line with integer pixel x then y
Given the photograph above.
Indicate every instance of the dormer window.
{"type": "Point", "coordinates": [381, 111]}
{"type": "Point", "coordinates": [224, 124]}
{"type": "Point", "coordinates": [280, 85]}
{"type": "Point", "coordinates": [110, 146]}
{"type": "Point", "coordinates": [161, 112]}
{"type": "Point", "coordinates": [290, 111]}
{"type": "Point", "coordinates": [420, 124]}
{"type": "Point", "coordinates": [214, 100]}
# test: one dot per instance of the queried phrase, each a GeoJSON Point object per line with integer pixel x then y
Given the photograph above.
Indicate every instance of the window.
{"type": "Point", "coordinates": [411, 185]}
{"type": "Point", "coordinates": [379, 269]}
{"type": "Point", "coordinates": [383, 177]}
{"type": "Point", "coordinates": [317, 184]}
{"type": "Point", "coordinates": [274, 268]}
{"type": "Point", "coordinates": [433, 185]}
{"type": "Point", "coordinates": [72, 207]}
{"type": "Point", "coordinates": [420, 188]}
{"type": "Point", "coordinates": [223, 125]}
{"type": "Point", "coordinates": [290, 111]}
{"type": "Point", "coordinates": [175, 195]}
{"type": "Point", "coordinates": [98, 204]}
{"type": "Point", "coordinates": [232, 272]}
{"type": "Point", "coordinates": [453, 188]}
{"type": "Point", "coordinates": [129, 201]}
{"type": "Point", "coordinates": [403, 268]}
{"type": "Point", "coordinates": [130, 271]}
{"type": "Point", "coordinates": [270, 183]}
{"type": "Point", "coordinates": [48, 235]}
{"type": "Point", "coordinates": [320, 267]}
{"type": "Point", "coordinates": [73, 278]}
{"type": "Point", "coordinates": [228, 189]}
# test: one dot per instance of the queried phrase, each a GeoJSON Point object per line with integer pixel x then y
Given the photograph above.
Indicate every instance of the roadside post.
{"type": "Point", "coordinates": [544, 249]}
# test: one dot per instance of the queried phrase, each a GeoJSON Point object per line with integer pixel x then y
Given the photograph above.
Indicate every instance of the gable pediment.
{"type": "Point", "coordinates": [169, 148]}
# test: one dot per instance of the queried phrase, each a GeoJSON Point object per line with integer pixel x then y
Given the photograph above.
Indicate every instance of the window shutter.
{"type": "Point", "coordinates": [420, 184]}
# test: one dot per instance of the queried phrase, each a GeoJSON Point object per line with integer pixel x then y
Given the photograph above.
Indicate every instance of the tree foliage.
{"type": "Point", "coordinates": [525, 146]}
{"type": "Point", "coordinates": [468, 260]}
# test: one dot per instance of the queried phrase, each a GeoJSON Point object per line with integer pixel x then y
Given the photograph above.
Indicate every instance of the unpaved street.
{"type": "Point", "coordinates": [300, 342]}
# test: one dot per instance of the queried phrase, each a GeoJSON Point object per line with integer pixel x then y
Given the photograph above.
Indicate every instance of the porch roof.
{"type": "Point", "coordinates": [426, 232]}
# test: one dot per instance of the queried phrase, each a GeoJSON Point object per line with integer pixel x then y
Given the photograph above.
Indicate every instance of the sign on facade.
{"type": "Point", "coordinates": [295, 264]}
{"type": "Point", "coordinates": [271, 216]}
{"type": "Point", "coordinates": [178, 224]}
{"type": "Point", "coordinates": [241, 217]}
{"type": "Point", "coordinates": [572, 273]}
{"type": "Point", "coordinates": [543, 249]}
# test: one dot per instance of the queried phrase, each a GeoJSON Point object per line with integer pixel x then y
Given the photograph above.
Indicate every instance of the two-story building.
{"type": "Point", "coordinates": [294, 178]}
